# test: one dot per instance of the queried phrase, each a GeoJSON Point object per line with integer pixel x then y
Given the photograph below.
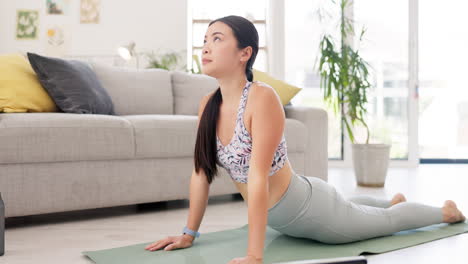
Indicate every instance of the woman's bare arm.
{"type": "Point", "coordinates": [199, 188]}
{"type": "Point", "coordinates": [267, 129]}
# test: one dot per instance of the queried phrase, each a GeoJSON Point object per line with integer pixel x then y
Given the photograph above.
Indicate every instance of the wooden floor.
{"type": "Point", "coordinates": [61, 237]}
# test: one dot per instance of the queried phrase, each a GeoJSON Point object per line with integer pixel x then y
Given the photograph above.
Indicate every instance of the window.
{"type": "Point", "coordinates": [443, 106]}
{"type": "Point", "coordinates": [385, 47]}
{"type": "Point", "coordinates": [302, 37]}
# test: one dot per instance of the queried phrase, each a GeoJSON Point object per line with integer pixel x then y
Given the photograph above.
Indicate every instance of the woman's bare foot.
{"type": "Point", "coordinates": [398, 198]}
{"type": "Point", "coordinates": [451, 212]}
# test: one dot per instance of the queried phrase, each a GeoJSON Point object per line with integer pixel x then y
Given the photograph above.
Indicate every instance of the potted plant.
{"type": "Point", "coordinates": [344, 78]}
{"type": "Point", "coordinates": [171, 61]}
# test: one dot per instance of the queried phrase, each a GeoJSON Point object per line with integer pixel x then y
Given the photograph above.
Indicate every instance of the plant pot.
{"type": "Point", "coordinates": [371, 163]}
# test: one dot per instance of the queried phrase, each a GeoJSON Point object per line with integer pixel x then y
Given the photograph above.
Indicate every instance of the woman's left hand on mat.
{"type": "Point", "coordinates": [246, 260]}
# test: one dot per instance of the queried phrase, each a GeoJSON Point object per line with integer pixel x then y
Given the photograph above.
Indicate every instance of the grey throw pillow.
{"type": "Point", "coordinates": [72, 85]}
{"type": "Point", "coordinates": [288, 104]}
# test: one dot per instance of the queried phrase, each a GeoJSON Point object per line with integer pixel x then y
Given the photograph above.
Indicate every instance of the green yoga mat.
{"type": "Point", "coordinates": [222, 246]}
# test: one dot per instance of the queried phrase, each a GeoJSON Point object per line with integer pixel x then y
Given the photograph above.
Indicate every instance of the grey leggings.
{"type": "Point", "coordinates": [312, 208]}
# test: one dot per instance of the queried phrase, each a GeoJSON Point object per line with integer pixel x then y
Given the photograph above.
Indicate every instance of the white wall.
{"type": "Point", "coordinates": [152, 24]}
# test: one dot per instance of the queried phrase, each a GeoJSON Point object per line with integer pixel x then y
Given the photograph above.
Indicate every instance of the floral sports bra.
{"type": "Point", "coordinates": [235, 156]}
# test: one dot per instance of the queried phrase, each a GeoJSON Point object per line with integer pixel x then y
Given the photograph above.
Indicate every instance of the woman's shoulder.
{"type": "Point", "coordinates": [265, 98]}
{"type": "Point", "coordinates": [263, 91]}
{"type": "Point", "coordinates": [261, 84]}
{"type": "Point", "coordinates": [260, 88]}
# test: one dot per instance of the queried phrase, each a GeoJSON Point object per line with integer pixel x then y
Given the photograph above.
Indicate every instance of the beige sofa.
{"type": "Point", "coordinates": [53, 162]}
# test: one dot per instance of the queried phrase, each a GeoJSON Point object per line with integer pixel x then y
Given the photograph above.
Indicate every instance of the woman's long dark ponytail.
{"type": "Point", "coordinates": [205, 147]}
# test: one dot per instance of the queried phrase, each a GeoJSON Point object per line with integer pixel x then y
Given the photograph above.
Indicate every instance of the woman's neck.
{"type": "Point", "coordinates": [231, 90]}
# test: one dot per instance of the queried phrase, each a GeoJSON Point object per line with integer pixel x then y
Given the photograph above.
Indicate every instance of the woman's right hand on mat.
{"type": "Point", "coordinates": [171, 242]}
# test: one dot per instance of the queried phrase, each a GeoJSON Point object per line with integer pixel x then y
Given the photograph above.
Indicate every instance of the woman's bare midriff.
{"type": "Point", "coordinates": [277, 186]}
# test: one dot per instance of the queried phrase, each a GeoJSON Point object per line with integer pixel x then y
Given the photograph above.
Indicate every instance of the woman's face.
{"type": "Point", "coordinates": [220, 54]}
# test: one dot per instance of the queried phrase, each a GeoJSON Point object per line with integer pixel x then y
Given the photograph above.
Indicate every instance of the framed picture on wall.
{"type": "Point", "coordinates": [57, 40]}
{"type": "Point", "coordinates": [89, 11]}
{"type": "Point", "coordinates": [27, 23]}
{"type": "Point", "coordinates": [57, 7]}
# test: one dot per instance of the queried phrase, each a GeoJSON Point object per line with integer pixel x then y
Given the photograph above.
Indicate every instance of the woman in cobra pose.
{"type": "Point", "coordinates": [240, 128]}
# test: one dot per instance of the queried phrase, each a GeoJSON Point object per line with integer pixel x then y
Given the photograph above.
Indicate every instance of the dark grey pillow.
{"type": "Point", "coordinates": [288, 104]}
{"type": "Point", "coordinates": [72, 85]}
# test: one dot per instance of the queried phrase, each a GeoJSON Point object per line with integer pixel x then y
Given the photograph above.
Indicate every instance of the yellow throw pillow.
{"type": "Point", "coordinates": [284, 90]}
{"type": "Point", "coordinates": [20, 89]}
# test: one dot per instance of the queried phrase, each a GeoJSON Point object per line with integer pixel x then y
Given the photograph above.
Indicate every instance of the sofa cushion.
{"type": "Point", "coordinates": [20, 89]}
{"type": "Point", "coordinates": [166, 136]}
{"type": "Point", "coordinates": [136, 91]}
{"type": "Point", "coordinates": [54, 137]}
{"type": "Point", "coordinates": [189, 89]}
{"type": "Point", "coordinates": [72, 84]}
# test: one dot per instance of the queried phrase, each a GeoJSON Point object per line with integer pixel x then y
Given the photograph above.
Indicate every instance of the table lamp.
{"type": "Point", "coordinates": [128, 51]}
